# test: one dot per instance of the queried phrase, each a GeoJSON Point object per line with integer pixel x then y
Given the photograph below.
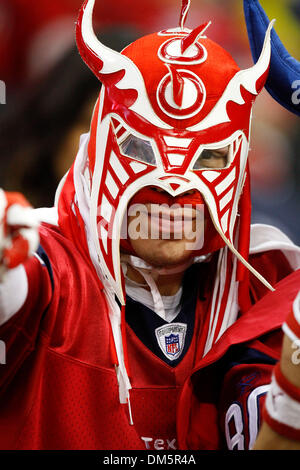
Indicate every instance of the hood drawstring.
{"type": "Point", "coordinates": [165, 307]}
{"type": "Point", "coordinates": [150, 274]}
{"type": "Point", "coordinates": [120, 368]}
{"type": "Point", "coordinates": [157, 299]}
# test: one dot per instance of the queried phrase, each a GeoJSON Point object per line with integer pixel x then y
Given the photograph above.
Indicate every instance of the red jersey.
{"type": "Point", "coordinates": [59, 388]}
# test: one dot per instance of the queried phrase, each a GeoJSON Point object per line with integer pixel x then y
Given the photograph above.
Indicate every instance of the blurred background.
{"type": "Point", "coordinates": [50, 93]}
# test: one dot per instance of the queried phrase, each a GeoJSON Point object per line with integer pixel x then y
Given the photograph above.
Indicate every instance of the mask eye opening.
{"type": "Point", "coordinates": [214, 158]}
{"type": "Point", "coordinates": [137, 148]}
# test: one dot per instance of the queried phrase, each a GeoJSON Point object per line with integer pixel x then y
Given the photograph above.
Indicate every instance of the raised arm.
{"type": "Point", "coordinates": [19, 239]}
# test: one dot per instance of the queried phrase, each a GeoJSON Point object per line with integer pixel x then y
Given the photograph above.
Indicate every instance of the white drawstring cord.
{"type": "Point", "coordinates": [157, 300]}
{"type": "Point", "coordinates": [150, 273]}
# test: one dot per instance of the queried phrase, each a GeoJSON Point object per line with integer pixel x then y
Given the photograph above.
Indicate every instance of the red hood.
{"type": "Point", "coordinates": [70, 221]}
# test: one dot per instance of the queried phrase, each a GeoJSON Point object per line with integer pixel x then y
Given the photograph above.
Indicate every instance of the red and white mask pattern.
{"type": "Point", "coordinates": [169, 103]}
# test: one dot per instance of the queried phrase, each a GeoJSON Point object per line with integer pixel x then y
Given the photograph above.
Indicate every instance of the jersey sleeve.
{"type": "Point", "coordinates": [247, 377]}
{"type": "Point", "coordinates": [24, 302]}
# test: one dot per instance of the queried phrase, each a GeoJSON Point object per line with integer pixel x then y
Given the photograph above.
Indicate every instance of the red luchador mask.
{"type": "Point", "coordinates": [171, 103]}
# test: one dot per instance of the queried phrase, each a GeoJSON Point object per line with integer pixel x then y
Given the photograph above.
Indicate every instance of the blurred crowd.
{"type": "Point", "coordinates": [50, 93]}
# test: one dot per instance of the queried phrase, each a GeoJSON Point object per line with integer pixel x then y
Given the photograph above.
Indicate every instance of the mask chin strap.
{"type": "Point", "coordinates": [150, 274]}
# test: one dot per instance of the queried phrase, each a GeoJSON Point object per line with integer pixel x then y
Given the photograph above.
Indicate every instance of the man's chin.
{"type": "Point", "coordinates": [164, 253]}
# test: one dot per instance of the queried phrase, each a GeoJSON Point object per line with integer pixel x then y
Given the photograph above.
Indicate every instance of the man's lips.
{"type": "Point", "coordinates": [166, 220]}
{"type": "Point", "coordinates": [172, 227]}
{"type": "Point", "coordinates": [169, 213]}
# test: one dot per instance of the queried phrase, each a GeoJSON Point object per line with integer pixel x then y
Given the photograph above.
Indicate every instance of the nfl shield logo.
{"type": "Point", "coordinates": [171, 338]}
{"type": "Point", "coordinates": [172, 344]}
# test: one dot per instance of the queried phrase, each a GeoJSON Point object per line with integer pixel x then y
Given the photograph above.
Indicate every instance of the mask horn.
{"type": "Point", "coordinates": [112, 67]}
{"type": "Point", "coordinates": [254, 78]}
{"type": "Point", "coordinates": [251, 79]}
{"type": "Point", "coordinates": [185, 6]}
{"type": "Point", "coordinates": [102, 60]}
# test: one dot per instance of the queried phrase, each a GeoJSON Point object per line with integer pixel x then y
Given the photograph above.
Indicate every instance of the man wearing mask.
{"type": "Point", "coordinates": [131, 326]}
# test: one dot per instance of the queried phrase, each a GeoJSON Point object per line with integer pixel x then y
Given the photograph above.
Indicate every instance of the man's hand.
{"type": "Point", "coordinates": [19, 236]}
